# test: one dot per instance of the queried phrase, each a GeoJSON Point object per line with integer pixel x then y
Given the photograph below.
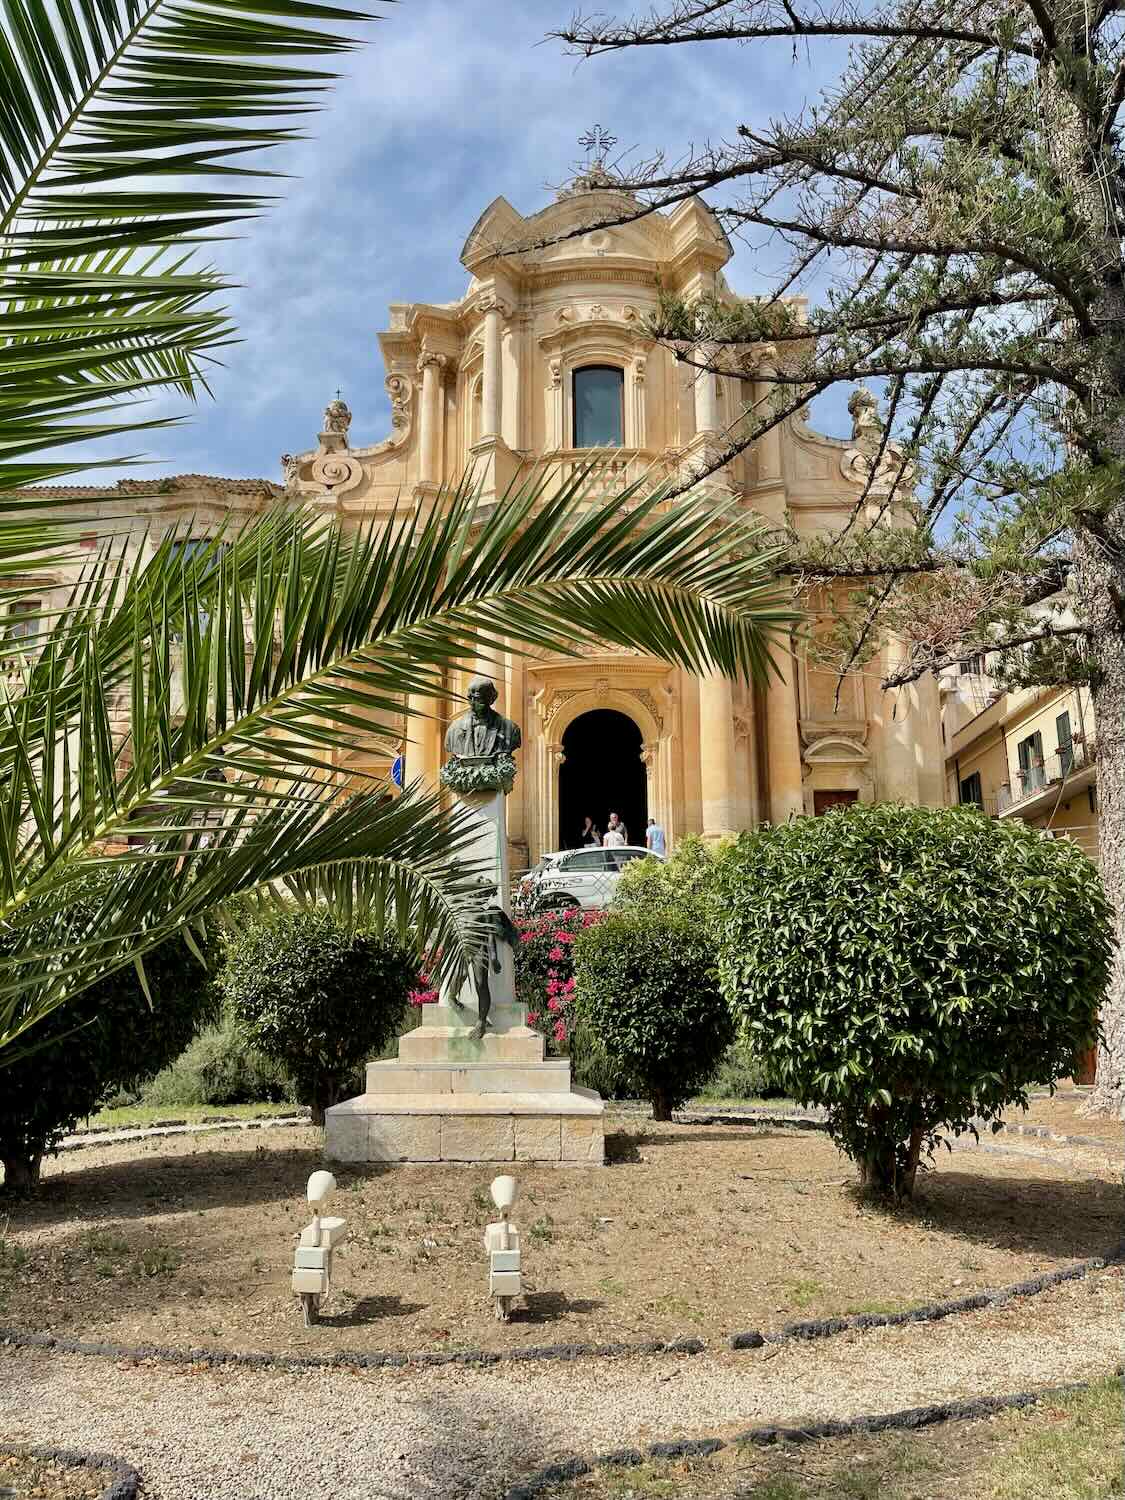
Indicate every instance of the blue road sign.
{"type": "Point", "coordinates": [397, 771]}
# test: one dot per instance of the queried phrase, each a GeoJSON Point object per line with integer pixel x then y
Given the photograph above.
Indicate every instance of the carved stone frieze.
{"type": "Point", "coordinates": [338, 472]}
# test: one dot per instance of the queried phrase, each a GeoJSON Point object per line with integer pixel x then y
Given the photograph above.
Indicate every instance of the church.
{"type": "Point", "coordinates": [544, 361]}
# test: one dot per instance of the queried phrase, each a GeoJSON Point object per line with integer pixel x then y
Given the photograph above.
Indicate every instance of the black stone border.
{"type": "Point", "coordinates": [752, 1339]}
{"type": "Point", "coordinates": [910, 1419]}
{"type": "Point", "coordinates": [805, 1119]}
{"type": "Point", "coordinates": [126, 1482]}
{"type": "Point", "coordinates": [932, 1312]}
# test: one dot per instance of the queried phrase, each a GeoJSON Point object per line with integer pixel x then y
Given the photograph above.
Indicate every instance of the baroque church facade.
{"type": "Point", "coordinates": [544, 361]}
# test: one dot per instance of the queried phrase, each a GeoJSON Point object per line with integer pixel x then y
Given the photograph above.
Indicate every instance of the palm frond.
{"type": "Point", "coordinates": [243, 674]}
{"type": "Point", "coordinates": [124, 125]}
{"type": "Point", "coordinates": [394, 863]}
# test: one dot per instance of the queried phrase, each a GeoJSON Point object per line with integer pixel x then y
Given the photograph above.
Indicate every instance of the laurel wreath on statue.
{"type": "Point", "coordinates": [462, 776]}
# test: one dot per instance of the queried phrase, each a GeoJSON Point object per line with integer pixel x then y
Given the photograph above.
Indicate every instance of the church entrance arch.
{"type": "Point", "coordinates": [602, 771]}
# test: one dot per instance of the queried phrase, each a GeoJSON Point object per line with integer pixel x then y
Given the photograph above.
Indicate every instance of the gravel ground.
{"type": "Point", "coordinates": [466, 1434]}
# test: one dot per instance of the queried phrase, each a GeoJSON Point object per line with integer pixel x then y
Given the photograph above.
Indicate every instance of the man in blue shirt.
{"type": "Point", "coordinates": [654, 837]}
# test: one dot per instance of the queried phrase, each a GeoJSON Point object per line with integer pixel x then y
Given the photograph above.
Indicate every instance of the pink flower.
{"type": "Point", "coordinates": [556, 955]}
{"type": "Point", "coordinates": [564, 937]}
{"type": "Point", "coordinates": [560, 1031]}
{"type": "Point", "coordinates": [552, 1003]}
{"type": "Point", "coordinates": [569, 986]}
{"type": "Point", "coordinates": [553, 986]}
{"type": "Point", "coordinates": [527, 937]}
{"type": "Point", "coordinates": [532, 1017]}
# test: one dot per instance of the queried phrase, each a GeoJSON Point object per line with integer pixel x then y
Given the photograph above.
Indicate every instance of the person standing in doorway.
{"type": "Point", "coordinates": [590, 837]}
{"type": "Point", "coordinates": [654, 838]}
{"type": "Point", "coordinates": [615, 835]}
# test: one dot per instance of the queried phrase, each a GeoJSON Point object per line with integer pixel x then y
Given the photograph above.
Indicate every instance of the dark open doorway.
{"type": "Point", "coordinates": [602, 773]}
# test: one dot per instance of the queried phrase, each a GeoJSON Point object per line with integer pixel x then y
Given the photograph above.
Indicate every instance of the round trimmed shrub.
{"type": "Point", "coordinates": [912, 969]}
{"type": "Point", "coordinates": [317, 998]}
{"type": "Point", "coordinates": [648, 991]}
{"type": "Point", "coordinates": [105, 1039]}
{"type": "Point", "coordinates": [685, 884]}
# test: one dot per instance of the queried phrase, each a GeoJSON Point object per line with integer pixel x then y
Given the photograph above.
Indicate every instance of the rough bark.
{"type": "Point", "coordinates": [661, 1105]}
{"type": "Point", "coordinates": [1101, 580]}
{"type": "Point", "coordinates": [1072, 136]}
{"type": "Point", "coordinates": [21, 1172]}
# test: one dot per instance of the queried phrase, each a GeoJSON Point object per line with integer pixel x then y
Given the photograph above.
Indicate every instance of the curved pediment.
{"type": "Point", "coordinates": [545, 240]}
{"type": "Point", "coordinates": [836, 749]}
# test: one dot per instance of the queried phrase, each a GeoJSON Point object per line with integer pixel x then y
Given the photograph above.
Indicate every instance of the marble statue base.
{"type": "Point", "coordinates": [453, 1097]}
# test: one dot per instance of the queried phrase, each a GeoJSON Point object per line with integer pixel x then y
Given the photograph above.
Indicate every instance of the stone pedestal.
{"type": "Point", "coordinates": [454, 1096]}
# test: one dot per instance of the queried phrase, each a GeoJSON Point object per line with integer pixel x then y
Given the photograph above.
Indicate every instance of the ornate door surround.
{"type": "Point", "coordinates": [560, 691]}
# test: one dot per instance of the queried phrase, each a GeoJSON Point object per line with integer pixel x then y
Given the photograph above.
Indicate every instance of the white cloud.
{"type": "Point", "coordinates": [449, 105]}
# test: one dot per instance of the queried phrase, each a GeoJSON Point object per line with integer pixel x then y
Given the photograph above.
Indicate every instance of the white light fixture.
{"type": "Point", "coordinates": [502, 1242]}
{"type": "Point", "coordinates": [312, 1262]}
{"type": "Point", "coordinates": [503, 1192]}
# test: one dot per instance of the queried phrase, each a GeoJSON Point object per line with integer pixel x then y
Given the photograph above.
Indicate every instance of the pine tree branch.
{"type": "Point", "coordinates": [686, 23]}
{"type": "Point", "coordinates": [918, 668]}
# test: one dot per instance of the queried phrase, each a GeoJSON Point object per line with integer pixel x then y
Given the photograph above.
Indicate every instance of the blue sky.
{"type": "Point", "coordinates": [449, 105]}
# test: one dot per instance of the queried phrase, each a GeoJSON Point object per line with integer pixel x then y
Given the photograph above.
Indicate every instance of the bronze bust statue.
{"type": "Point", "coordinates": [482, 731]}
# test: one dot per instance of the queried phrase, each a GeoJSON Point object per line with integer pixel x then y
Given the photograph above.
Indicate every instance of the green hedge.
{"type": "Point", "coordinates": [648, 991]}
{"type": "Point", "coordinates": [106, 1039]}
{"type": "Point", "coordinates": [316, 998]}
{"type": "Point", "coordinates": [912, 969]}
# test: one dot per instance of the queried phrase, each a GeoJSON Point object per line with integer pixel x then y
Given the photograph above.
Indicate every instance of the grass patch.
{"type": "Point", "coordinates": [143, 1116]}
{"type": "Point", "coordinates": [877, 1305]}
{"type": "Point", "coordinates": [1069, 1450]}
{"type": "Point", "coordinates": [157, 1260]}
{"type": "Point", "coordinates": [1065, 1448]}
{"type": "Point", "coordinates": [805, 1292]}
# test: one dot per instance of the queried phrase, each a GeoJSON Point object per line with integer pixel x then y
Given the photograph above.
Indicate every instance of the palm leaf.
{"type": "Point", "coordinates": [125, 126]}
{"type": "Point", "coordinates": [344, 627]}
{"type": "Point", "coordinates": [392, 863]}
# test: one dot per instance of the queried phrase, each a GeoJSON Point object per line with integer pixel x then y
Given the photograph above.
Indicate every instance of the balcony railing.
{"type": "Point", "coordinates": [609, 472]}
{"type": "Point", "coordinates": [1033, 779]}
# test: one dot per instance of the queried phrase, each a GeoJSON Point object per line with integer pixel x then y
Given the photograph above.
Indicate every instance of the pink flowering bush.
{"type": "Point", "coordinates": [425, 992]}
{"type": "Point", "coordinates": [545, 971]}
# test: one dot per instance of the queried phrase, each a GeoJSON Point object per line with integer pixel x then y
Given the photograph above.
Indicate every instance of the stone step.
{"type": "Point", "coordinates": [487, 1077]}
{"type": "Point", "coordinates": [458, 1044]}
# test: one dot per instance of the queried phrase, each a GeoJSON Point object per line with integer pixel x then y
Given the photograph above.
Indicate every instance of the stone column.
{"type": "Point", "coordinates": [783, 741]}
{"type": "Point", "coordinates": [899, 781]}
{"type": "Point", "coordinates": [492, 395]}
{"type": "Point", "coordinates": [716, 755]}
{"type": "Point", "coordinates": [706, 400]}
{"type": "Point", "coordinates": [431, 366]}
{"type": "Point", "coordinates": [424, 736]}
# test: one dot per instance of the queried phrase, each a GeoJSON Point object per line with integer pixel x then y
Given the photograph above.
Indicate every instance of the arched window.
{"type": "Point", "coordinates": [599, 407]}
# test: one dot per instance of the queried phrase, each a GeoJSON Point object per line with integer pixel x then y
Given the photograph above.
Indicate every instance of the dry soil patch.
{"type": "Point", "coordinates": [693, 1230]}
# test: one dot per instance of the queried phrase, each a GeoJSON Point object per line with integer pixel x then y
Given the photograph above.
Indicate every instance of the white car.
{"type": "Point", "coordinates": [577, 877]}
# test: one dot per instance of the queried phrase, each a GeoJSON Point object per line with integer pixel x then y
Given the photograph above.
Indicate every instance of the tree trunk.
{"type": "Point", "coordinates": [877, 1170]}
{"type": "Point", "coordinates": [1072, 134]}
{"type": "Point", "coordinates": [316, 1111]}
{"type": "Point", "coordinates": [1101, 572]}
{"type": "Point", "coordinates": [21, 1172]}
{"type": "Point", "coordinates": [661, 1105]}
